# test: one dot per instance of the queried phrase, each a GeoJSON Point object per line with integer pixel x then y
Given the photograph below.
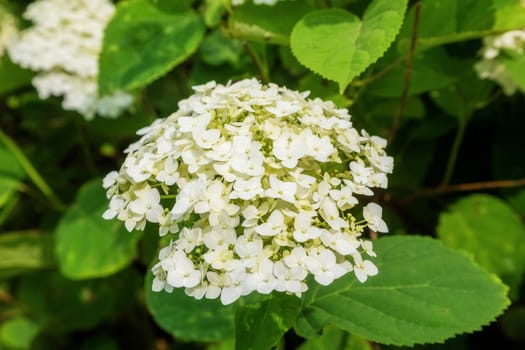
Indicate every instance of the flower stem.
{"type": "Point", "coordinates": [33, 174]}
{"type": "Point", "coordinates": [263, 71]}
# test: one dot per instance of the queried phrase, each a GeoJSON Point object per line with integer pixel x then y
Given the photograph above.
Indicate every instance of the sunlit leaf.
{"type": "Point", "coordinates": [141, 43]}
{"type": "Point", "coordinates": [424, 293]}
{"type": "Point", "coordinates": [338, 45]}
{"type": "Point", "coordinates": [491, 231]}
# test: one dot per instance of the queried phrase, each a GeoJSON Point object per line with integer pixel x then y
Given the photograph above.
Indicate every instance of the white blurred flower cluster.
{"type": "Point", "coordinates": [491, 67]}
{"type": "Point", "coordinates": [258, 186]}
{"type": "Point", "coordinates": [63, 45]}
{"type": "Point", "coordinates": [8, 29]}
{"type": "Point", "coordinates": [256, 2]}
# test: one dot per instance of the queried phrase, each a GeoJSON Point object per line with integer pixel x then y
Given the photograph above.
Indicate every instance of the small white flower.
{"type": "Point", "coordinates": [247, 189]}
{"type": "Point", "coordinates": [273, 226]}
{"type": "Point", "coordinates": [324, 267]}
{"type": "Point", "coordinates": [330, 213]}
{"type": "Point", "coordinates": [183, 272]}
{"type": "Point", "coordinates": [116, 205]}
{"type": "Point", "coordinates": [288, 148]}
{"type": "Point", "coordinates": [372, 214]}
{"type": "Point", "coordinates": [169, 174]}
{"type": "Point", "coordinates": [262, 279]}
{"type": "Point", "coordinates": [363, 269]}
{"type": "Point", "coordinates": [147, 204]}
{"type": "Point", "coordinates": [281, 189]}
{"type": "Point", "coordinates": [304, 229]}
{"type": "Point", "coordinates": [289, 279]}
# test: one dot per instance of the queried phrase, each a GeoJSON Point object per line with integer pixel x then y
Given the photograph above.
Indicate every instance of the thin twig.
{"type": "Point", "coordinates": [454, 152]}
{"type": "Point", "coordinates": [380, 74]}
{"type": "Point", "coordinates": [408, 72]}
{"type": "Point", "coordinates": [262, 73]}
{"type": "Point", "coordinates": [464, 187]}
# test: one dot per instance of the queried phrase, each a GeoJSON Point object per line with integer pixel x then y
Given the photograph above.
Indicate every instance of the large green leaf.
{"type": "Point", "coordinates": [339, 46]}
{"type": "Point", "coordinates": [260, 324]}
{"type": "Point", "coordinates": [141, 43]}
{"type": "Point", "coordinates": [491, 231]}
{"type": "Point", "coordinates": [187, 318]}
{"type": "Point", "coordinates": [25, 251]}
{"type": "Point", "coordinates": [448, 21]}
{"type": "Point", "coordinates": [424, 292]}
{"type": "Point", "coordinates": [88, 246]}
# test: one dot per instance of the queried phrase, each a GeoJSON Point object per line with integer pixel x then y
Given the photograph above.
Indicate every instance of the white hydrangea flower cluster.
{"type": "Point", "coordinates": [490, 67]}
{"type": "Point", "coordinates": [8, 29]}
{"type": "Point", "coordinates": [64, 44]}
{"type": "Point", "coordinates": [259, 186]}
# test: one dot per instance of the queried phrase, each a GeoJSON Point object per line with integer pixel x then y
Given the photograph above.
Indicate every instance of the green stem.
{"type": "Point", "coordinates": [168, 196]}
{"type": "Point", "coordinates": [33, 174]}
{"type": "Point", "coordinates": [458, 140]}
{"type": "Point", "coordinates": [259, 64]}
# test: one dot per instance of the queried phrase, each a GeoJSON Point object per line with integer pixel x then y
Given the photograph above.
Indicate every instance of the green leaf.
{"type": "Point", "coordinates": [187, 318]}
{"type": "Point", "coordinates": [430, 70]}
{"type": "Point", "coordinates": [267, 24]}
{"type": "Point", "coordinates": [88, 246]}
{"type": "Point", "coordinates": [25, 251]}
{"type": "Point", "coordinates": [9, 165]}
{"type": "Point", "coordinates": [339, 46]}
{"type": "Point", "coordinates": [18, 333]}
{"type": "Point", "coordinates": [467, 94]}
{"type": "Point", "coordinates": [260, 324]}
{"type": "Point", "coordinates": [424, 292]}
{"type": "Point", "coordinates": [491, 231]}
{"type": "Point", "coordinates": [213, 11]}
{"type": "Point", "coordinates": [444, 21]}
{"type": "Point", "coordinates": [172, 6]}
{"type": "Point", "coordinates": [216, 49]}
{"type": "Point", "coordinates": [334, 338]}
{"type": "Point", "coordinates": [142, 43]}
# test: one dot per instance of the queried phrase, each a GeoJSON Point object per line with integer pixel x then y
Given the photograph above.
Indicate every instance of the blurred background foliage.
{"type": "Point", "coordinates": [71, 280]}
